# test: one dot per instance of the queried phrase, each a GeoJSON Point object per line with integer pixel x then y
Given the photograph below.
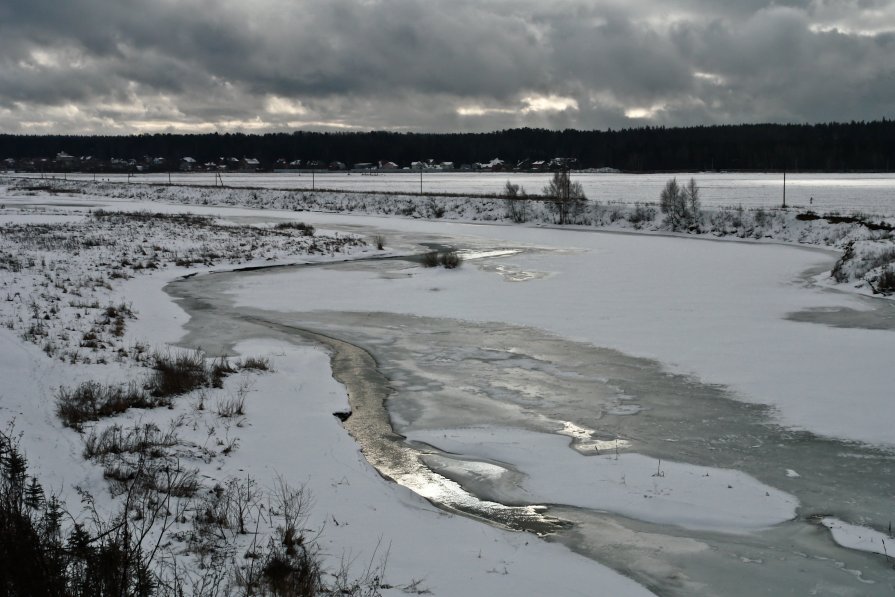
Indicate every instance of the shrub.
{"type": "Point", "coordinates": [96, 557]}
{"type": "Point", "coordinates": [445, 259]}
{"type": "Point", "coordinates": [145, 439]}
{"type": "Point", "coordinates": [450, 260]}
{"type": "Point", "coordinates": [430, 259]}
{"type": "Point", "coordinates": [886, 281]}
{"type": "Point", "coordinates": [91, 401]}
{"type": "Point", "coordinates": [178, 373]}
{"type": "Point", "coordinates": [220, 369]}
{"type": "Point", "coordinates": [255, 364]}
{"type": "Point", "coordinates": [232, 407]}
{"type": "Point", "coordinates": [174, 374]}
{"type": "Point", "coordinates": [305, 229]}
{"type": "Point", "coordinates": [379, 241]}
{"type": "Point", "coordinates": [641, 214]}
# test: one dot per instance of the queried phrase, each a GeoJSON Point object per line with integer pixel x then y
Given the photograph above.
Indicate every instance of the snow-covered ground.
{"type": "Point", "coordinates": [287, 432]}
{"type": "Point", "coordinates": [845, 192]}
{"type": "Point", "coordinates": [712, 310]}
{"type": "Point", "coordinates": [840, 228]}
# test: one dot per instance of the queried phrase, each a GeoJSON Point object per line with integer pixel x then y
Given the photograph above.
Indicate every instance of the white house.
{"type": "Point", "coordinates": [495, 165]}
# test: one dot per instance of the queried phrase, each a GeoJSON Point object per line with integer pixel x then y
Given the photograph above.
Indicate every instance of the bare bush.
{"type": "Point", "coordinates": [449, 259]}
{"type": "Point", "coordinates": [146, 439]}
{"type": "Point", "coordinates": [305, 229]}
{"type": "Point", "coordinates": [178, 372]}
{"type": "Point", "coordinates": [255, 364]}
{"type": "Point", "coordinates": [91, 401]}
{"type": "Point", "coordinates": [885, 283]}
{"type": "Point", "coordinates": [430, 259]}
{"type": "Point", "coordinates": [234, 406]}
{"type": "Point", "coordinates": [221, 368]}
{"type": "Point", "coordinates": [641, 214]}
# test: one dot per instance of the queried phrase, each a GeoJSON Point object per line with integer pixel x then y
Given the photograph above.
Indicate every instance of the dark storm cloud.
{"type": "Point", "coordinates": [129, 65]}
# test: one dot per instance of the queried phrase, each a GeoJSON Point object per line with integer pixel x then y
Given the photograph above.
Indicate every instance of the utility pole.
{"type": "Point", "coordinates": [313, 183]}
{"type": "Point", "coordinates": [421, 178]}
{"type": "Point", "coordinates": [784, 189]}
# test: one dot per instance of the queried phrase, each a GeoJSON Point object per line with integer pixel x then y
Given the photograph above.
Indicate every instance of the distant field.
{"type": "Point", "coordinates": [870, 193]}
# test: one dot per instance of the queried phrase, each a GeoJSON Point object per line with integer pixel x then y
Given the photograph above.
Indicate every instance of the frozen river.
{"type": "Point", "coordinates": [869, 193]}
{"type": "Point", "coordinates": [652, 393]}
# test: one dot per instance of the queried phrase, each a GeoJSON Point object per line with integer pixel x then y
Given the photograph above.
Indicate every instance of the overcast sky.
{"type": "Point", "coordinates": [123, 66]}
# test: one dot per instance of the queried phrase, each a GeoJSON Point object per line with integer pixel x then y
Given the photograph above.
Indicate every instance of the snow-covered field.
{"type": "Point", "coordinates": [712, 311]}
{"type": "Point", "coordinates": [844, 192]}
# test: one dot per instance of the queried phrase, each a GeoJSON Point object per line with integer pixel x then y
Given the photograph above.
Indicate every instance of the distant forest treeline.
{"type": "Point", "coordinates": [866, 146]}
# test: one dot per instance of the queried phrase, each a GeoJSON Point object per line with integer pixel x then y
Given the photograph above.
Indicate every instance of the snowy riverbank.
{"type": "Point", "coordinates": [638, 294]}
{"type": "Point", "coordinates": [871, 259]}
{"type": "Point", "coordinates": [60, 276]}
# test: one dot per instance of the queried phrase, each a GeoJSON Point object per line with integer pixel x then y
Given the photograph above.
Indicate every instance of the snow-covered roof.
{"type": "Point", "coordinates": [492, 163]}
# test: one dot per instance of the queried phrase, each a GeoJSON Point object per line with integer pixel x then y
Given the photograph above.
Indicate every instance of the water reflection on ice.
{"type": "Point", "coordinates": [473, 254]}
{"type": "Point", "coordinates": [584, 440]}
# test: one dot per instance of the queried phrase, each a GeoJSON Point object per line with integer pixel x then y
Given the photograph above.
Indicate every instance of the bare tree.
{"type": "Point", "coordinates": [681, 206]}
{"type": "Point", "coordinates": [516, 200]}
{"type": "Point", "coordinates": [691, 197]}
{"type": "Point", "coordinates": [566, 196]}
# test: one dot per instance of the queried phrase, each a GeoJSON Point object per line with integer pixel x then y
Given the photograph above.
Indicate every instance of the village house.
{"type": "Point", "coordinates": [495, 165]}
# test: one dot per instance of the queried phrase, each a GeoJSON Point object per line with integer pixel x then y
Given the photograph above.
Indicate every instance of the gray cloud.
{"type": "Point", "coordinates": [126, 65]}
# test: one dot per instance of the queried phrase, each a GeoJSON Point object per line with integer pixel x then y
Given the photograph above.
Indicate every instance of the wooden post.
{"type": "Point", "coordinates": [784, 189]}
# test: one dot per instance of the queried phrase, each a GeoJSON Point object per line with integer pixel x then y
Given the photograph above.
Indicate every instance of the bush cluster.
{"type": "Point", "coordinates": [174, 374]}
{"type": "Point", "coordinates": [445, 259]}
{"type": "Point", "coordinates": [38, 558]}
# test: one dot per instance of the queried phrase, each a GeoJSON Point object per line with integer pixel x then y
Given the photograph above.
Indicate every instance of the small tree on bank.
{"type": "Point", "coordinates": [516, 201]}
{"type": "Point", "coordinates": [681, 206]}
{"type": "Point", "coordinates": [566, 197]}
